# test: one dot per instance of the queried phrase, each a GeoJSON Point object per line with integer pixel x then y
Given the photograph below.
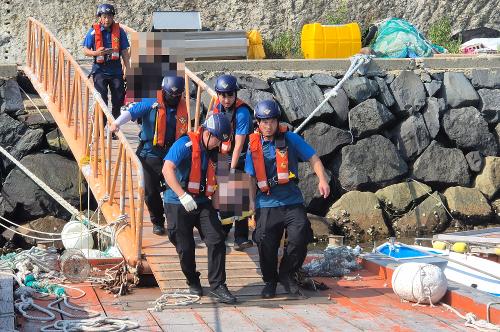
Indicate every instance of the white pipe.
{"type": "Point", "coordinates": [357, 61]}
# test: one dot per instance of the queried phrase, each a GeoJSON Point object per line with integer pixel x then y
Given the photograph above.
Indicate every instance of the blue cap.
{"type": "Point", "coordinates": [226, 83]}
{"type": "Point", "coordinates": [173, 85]}
{"type": "Point", "coordinates": [267, 109]}
{"type": "Point", "coordinates": [218, 125]}
{"type": "Point", "coordinates": [105, 8]}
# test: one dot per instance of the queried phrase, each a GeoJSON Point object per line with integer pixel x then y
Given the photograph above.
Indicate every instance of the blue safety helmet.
{"type": "Point", "coordinates": [106, 8]}
{"type": "Point", "coordinates": [226, 83]}
{"type": "Point", "coordinates": [218, 125]}
{"type": "Point", "coordinates": [267, 109]}
{"type": "Point", "coordinates": [173, 85]}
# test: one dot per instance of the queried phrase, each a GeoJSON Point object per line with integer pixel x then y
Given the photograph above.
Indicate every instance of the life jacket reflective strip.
{"type": "Point", "coordinates": [161, 120]}
{"type": "Point", "coordinates": [115, 41]}
{"type": "Point", "coordinates": [225, 147]}
{"type": "Point", "coordinates": [194, 181]}
{"type": "Point", "coordinates": [259, 163]}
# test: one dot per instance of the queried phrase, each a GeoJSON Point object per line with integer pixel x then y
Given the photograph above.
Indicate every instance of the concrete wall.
{"type": "Point", "coordinates": [70, 19]}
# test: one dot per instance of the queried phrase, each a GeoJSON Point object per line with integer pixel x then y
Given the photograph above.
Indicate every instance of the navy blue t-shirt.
{"type": "Point", "coordinates": [243, 124]}
{"type": "Point", "coordinates": [282, 194]}
{"type": "Point", "coordinates": [146, 110]}
{"type": "Point", "coordinates": [109, 67]}
{"type": "Point", "coordinates": [243, 120]}
{"type": "Point", "coordinates": [180, 154]}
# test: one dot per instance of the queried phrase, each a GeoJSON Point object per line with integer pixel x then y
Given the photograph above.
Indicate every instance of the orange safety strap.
{"type": "Point", "coordinates": [160, 133]}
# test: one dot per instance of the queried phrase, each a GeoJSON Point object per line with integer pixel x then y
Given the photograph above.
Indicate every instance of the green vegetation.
{"type": "Point", "coordinates": [440, 34]}
{"type": "Point", "coordinates": [285, 46]}
{"type": "Point", "coordinates": [339, 16]}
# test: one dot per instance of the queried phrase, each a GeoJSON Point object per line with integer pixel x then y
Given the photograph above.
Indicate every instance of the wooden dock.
{"type": "Point", "coordinates": [365, 304]}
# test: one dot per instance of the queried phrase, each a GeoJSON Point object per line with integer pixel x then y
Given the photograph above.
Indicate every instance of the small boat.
{"type": "Point", "coordinates": [464, 268]}
{"type": "Point", "coordinates": [483, 241]}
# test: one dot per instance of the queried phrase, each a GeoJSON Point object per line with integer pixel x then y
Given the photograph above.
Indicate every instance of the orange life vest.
{"type": "Point", "coordinates": [115, 41]}
{"type": "Point", "coordinates": [225, 147]}
{"type": "Point", "coordinates": [161, 120]}
{"type": "Point", "coordinates": [194, 182]}
{"type": "Point", "coordinates": [259, 163]}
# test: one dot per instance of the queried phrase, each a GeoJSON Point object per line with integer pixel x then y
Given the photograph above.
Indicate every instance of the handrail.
{"type": "Point", "coordinates": [200, 88]}
{"type": "Point", "coordinates": [80, 114]}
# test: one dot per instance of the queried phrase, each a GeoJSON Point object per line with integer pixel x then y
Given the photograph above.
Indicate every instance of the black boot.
{"type": "Point", "coordinates": [290, 284]}
{"type": "Point", "coordinates": [195, 285]}
{"type": "Point", "coordinates": [158, 229]}
{"type": "Point", "coordinates": [222, 294]}
{"type": "Point", "coordinates": [269, 290]}
{"type": "Point", "coordinates": [195, 288]}
{"type": "Point", "coordinates": [242, 244]}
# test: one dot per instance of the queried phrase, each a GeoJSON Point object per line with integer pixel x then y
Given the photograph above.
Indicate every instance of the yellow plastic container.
{"type": "Point", "coordinates": [255, 49]}
{"type": "Point", "coordinates": [330, 41]}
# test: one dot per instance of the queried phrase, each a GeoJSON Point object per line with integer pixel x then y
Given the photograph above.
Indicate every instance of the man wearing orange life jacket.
{"type": "Point", "coordinates": [235, 148]}
{"type": "Point", "coordinates": [189, 170]}
{"type": "Point", "coordinates": [272, 159]}
{"type": "Point", "coordinates": [106, 42]}
{"type": "Point", "coordinates": [164, 119]}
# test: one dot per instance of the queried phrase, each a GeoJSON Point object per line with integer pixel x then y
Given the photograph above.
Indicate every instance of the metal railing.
{"type": "Point", "coordinates": [110, 167]}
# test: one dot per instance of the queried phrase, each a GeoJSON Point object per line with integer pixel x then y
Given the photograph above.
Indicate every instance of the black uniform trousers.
{"type": "Point", "coordinates": [271, 222]}
{"type": "Point", "coordinates": [153, 178]}
{"type": "Point", "coordinates": [116, 87]}
{"type": "Point", "coordinates": [180, 225]}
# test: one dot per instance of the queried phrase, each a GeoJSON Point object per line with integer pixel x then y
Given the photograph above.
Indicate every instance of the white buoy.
{"type": "Point", "coordinates": [419, 282]}
{"type": "Point", "coordinates": [75, 235]}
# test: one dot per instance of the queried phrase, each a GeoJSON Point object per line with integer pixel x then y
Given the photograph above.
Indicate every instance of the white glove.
{"type": "Point", "coordinates": [188, 202]}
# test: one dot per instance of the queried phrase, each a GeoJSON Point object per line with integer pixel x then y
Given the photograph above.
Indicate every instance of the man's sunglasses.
{"type": "Point", "coordinates": [226, 94]}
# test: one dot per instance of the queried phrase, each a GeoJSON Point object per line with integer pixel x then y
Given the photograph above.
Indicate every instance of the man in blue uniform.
{"type": "Point", "coordinates": [164, 119]}
{"type": "Point", "coordinates": [273, 157]}
{"type": "Point", "coordinates": [189, 170]}
{"type": "Point", "coordinates": [235, 149]}
{"type": "Point", "coordinates": [107, 43]}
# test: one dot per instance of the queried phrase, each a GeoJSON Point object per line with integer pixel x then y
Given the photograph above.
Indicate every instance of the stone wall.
{"type": "Point", "coordinates": [70, 19]}
{"type": "Point", "coordinates": [31, 136]}
{"type": "Point", "coordinates": [408, 152]}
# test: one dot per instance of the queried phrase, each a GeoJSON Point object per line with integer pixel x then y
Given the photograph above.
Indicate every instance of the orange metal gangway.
{"type": "Point", "coordinates": [111, 167]}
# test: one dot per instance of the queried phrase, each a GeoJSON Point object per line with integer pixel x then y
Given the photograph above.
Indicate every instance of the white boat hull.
{"type": "Point", "coordinates": [463, 269]}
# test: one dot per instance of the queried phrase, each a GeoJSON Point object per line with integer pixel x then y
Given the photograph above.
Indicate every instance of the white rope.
{"type": "Point", "coordinates": [429, 193]}
{"type": "Point", "coordinates": [472, 321]}
{"type": "Point", "coordinates": [90, 313]}
{"type": "Point", "coordinates": [38, 109]}
{"type": "Point", "coordinates": [34, 256]}
{"type": "Point", "coordinates": [426, 290]}
{"type": "Point", "coordinates": [25, 302]}
{"type": "Point", "coordinates": [58, 238]}
{"type": "Point", "coordinates": [82, 292]}
{"type": "Point", "coordinates": [356, 62]}
{"type": "Point", "coordinates": [40, 183]}
{"type": "Point", "coordinates": [25, 294]}
{"type": "Point", "coordinates": [170, 299]}
{"type": "Point", "coordinates": [16, 278]}
{"type": "Point", "coordinates": [50, 191]}
{"type": "Point", "coordinates": [102, 324]}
